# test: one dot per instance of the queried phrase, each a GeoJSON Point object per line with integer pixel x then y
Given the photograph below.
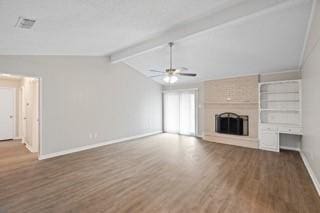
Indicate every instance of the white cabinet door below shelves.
{"type": "Point", "coordinates": [269, 141]}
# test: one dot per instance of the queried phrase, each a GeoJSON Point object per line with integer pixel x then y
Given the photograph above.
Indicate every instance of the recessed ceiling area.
{"type": "Point", "coordinates": [270, 42]}
{"type": "Point", "coordinates": [92, 27]}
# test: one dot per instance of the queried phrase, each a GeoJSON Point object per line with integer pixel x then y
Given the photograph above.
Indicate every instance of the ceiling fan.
{"type": "Point", "coordinates": [170, 74]}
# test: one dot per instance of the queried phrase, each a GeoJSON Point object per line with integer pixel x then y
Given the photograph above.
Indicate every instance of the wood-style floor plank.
{"type": "Point", "coordinates": [162, 173]}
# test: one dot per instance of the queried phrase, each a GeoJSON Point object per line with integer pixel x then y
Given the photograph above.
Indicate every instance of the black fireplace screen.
{"type": "Point", "coordinates": [231, 123]}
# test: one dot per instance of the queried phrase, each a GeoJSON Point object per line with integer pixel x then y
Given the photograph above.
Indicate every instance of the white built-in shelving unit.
{"type": "Point", "coordinates": [279, 111]}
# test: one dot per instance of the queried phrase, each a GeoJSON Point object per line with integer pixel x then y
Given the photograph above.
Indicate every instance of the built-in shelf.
{"type": "Point", "coordinates": [279, 112]}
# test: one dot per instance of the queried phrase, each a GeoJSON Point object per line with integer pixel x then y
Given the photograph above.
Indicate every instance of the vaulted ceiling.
{"type": "Point", "coordinates": [268, 41]}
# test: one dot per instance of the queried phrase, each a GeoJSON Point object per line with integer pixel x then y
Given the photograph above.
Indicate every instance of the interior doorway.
{"type": "Point", "coordinates": [20, 111]}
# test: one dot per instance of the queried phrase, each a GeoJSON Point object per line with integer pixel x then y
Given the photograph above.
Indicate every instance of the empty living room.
{"type": "Point", "coordinates": [177, 106]}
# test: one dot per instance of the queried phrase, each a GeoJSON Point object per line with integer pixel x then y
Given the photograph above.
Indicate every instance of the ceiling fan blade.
{"type": "Point", "coordinates": [156, 71]}
{"type": "Point", "coordinates": [181, 69]}
{"type": "Point", "coordinates": [154, 76]}
{"type": "Point", "coordinates": [187, 74]}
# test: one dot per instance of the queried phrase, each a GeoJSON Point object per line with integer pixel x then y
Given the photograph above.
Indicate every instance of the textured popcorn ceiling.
{"type": "Point", "coordinates": [92, 27]}
{"type": "Point", "coordinates": [266, 43]}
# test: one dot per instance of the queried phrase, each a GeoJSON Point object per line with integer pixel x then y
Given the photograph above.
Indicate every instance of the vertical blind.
{"type": "Point", "coordinates": [179, 112]}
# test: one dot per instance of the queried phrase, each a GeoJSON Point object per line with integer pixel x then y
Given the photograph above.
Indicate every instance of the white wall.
{"type": "Point", "coordinates": [311, 96]}
{"type": "Point", "coordinates": [83, 95]}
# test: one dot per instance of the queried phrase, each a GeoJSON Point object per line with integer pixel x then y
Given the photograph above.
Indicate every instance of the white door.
{"type": "Point", "coordinates": [30, 113]}
{"type": "Point", "coordinates": [36, 115]}
{"type": "Point", "coordinates": [7, 109]}
{"type": "Point", "coordinates": [24, 115]}
{"type": "Point", "coordinates": [27, 114]}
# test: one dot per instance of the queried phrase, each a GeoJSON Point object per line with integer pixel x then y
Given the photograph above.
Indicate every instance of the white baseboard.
{"type": "Point", "coordinates": [199, 136]}
{"type": "Point", "coordinates": [29, 148]}
{"type": "Point", "coordinates": [82, 148]}
{"type": "Point", "coordinates": [17, 138]}
{"type": "Point", "coordinates": [311, 173]}
{"type": "Point", "coordinates": [290, 148]}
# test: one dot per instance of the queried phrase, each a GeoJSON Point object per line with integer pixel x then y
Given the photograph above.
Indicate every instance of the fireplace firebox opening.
{"type": "Point", "coordinates": [232, 123]}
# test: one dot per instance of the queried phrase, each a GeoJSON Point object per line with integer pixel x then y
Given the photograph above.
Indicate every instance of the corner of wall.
{"type": "Point", "coordinates": [310, 76]}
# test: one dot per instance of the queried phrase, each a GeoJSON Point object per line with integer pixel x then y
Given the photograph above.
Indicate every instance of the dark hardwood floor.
{"type": "Point", "coordinates": [162, 173]}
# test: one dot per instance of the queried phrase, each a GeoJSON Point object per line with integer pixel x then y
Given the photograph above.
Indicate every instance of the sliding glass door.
{"type": "Point", "coordinates": [180, 112]}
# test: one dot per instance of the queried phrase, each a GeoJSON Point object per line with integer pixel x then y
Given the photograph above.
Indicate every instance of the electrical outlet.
{"type": "Point", "coordinates": [90, 135]}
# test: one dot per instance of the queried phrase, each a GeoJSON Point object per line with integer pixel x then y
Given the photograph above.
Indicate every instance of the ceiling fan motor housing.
{"type": "Point", "coordinates": [170, 71]}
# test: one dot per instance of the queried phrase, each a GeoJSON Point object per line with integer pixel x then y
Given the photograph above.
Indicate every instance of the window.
{"type": "Point", "coordinates": [180, 112]}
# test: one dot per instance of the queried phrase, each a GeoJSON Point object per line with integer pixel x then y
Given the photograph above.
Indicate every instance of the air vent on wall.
{"type": "Point", "coordinates": [25, 23]}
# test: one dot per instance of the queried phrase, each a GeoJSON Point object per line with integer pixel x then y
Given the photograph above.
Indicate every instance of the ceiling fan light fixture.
{"type": "Point", "coordinates": [170, 79]}
{"type": "Point", "coordinates": [172, 73]}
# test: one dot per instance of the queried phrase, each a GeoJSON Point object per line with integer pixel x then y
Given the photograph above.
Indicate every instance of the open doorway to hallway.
{"type": "Point", "coordinates": [20, 111]}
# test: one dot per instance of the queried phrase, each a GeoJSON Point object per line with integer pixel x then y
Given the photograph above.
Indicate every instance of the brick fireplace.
{"type": "Point", "coordinates": [236, 96]}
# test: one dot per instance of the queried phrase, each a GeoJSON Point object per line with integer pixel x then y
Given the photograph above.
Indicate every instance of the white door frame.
{"type": "Point", "coordinates": [22, 117]}
{"type": "Point", "coordinates": [14, 109]}
{"type": "Point", "coordinates": [40, 116]}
